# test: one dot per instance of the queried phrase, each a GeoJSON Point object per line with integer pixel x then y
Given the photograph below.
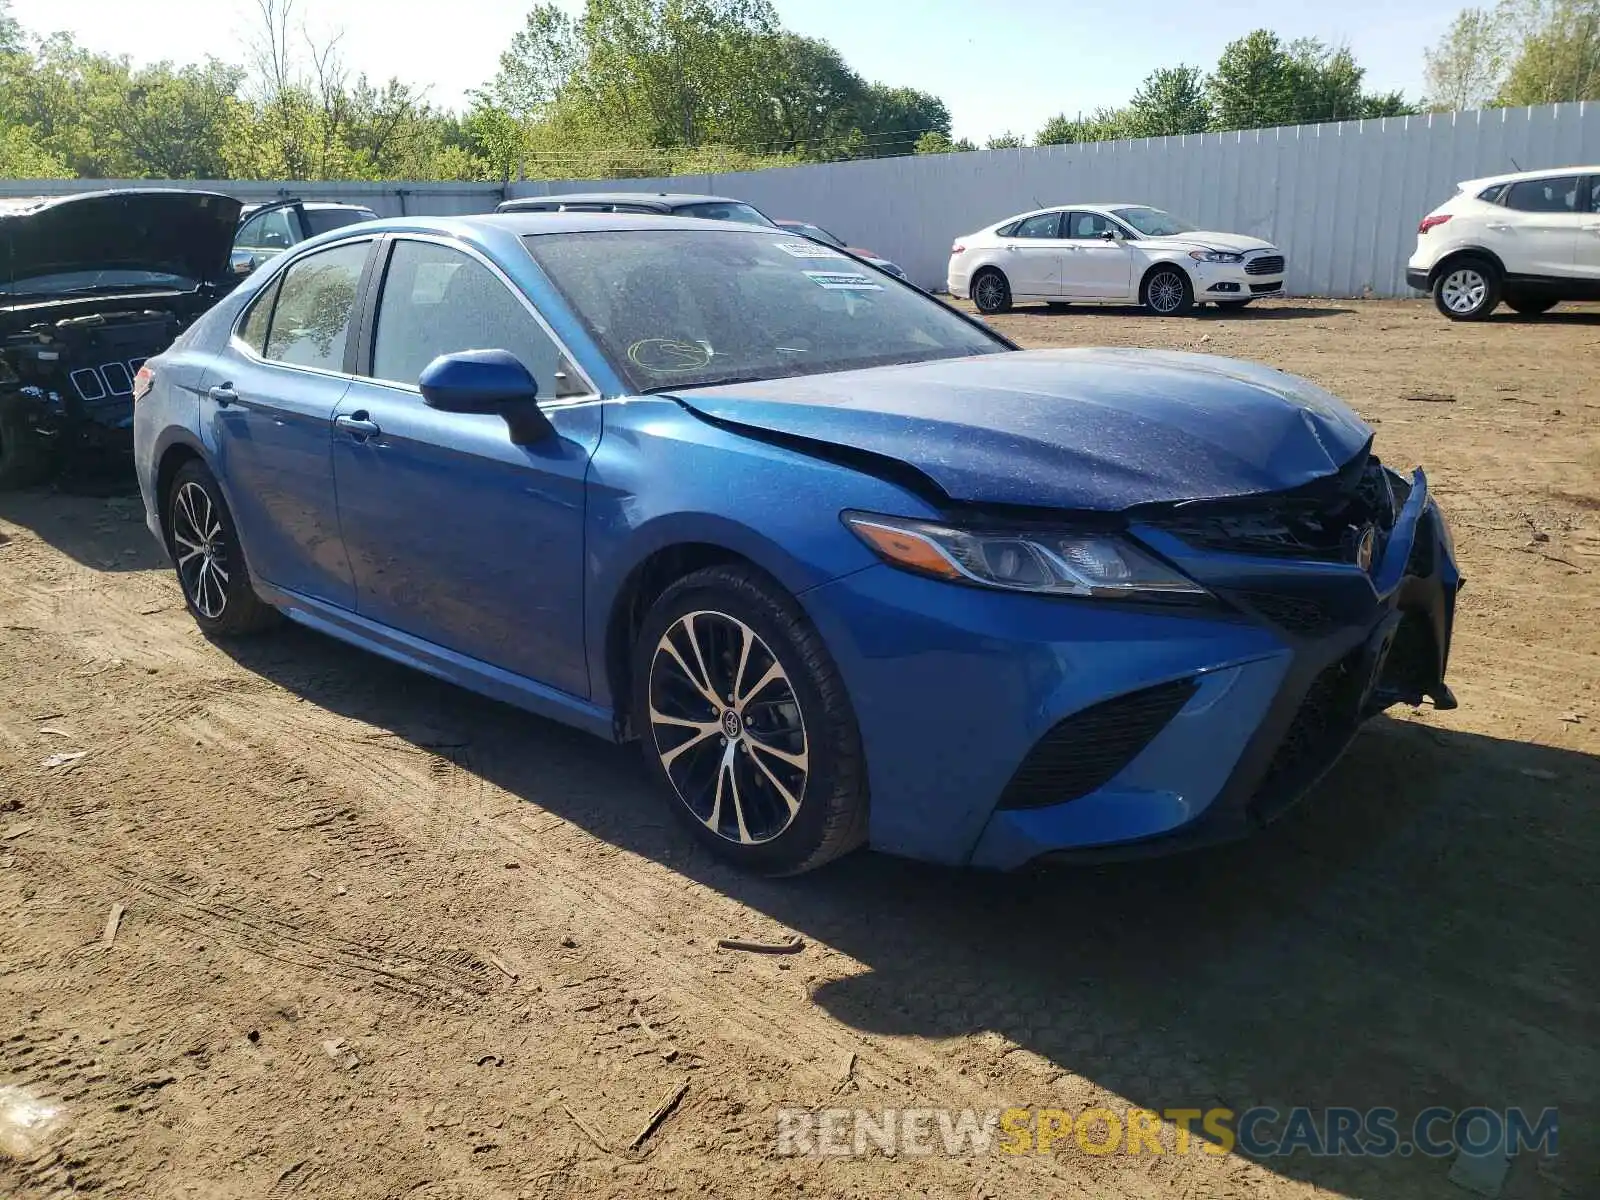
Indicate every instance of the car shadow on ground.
{"type": "Point", "coordinates": [101, 525]}
{"type": "Point", "coordinates": [1559, 316]}
{"type": "Point", "coordinates": [1282, 312]}
{"type": "Point", "coordinates": [1419, 932]}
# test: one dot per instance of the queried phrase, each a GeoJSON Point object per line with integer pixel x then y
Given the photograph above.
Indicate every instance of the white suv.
{"type": "Point", "coordinates": [1531, 239]}
{"type": "Point", "coordinates": [1111, 254]}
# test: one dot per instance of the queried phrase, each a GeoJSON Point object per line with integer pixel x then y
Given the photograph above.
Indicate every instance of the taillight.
{"type": "Point", "coordinates": [143, 382]}
{"type": "Point", "coordinates": [1429, 222]}
{"type": "Point", "coordinates": [958, 248]}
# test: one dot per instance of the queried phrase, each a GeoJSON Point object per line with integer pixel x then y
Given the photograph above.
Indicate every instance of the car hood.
{"type": "Point", "coordinates": [1202, 239]}
{"type": "Point", "coordinates": [1089, 430]}
{"type": "Point", "coordinates": [163, 231]}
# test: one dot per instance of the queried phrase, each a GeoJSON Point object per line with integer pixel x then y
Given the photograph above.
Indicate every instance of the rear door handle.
{"type": "Point", "coordinates": [223, 394]}
{"type": "Point", "coordinates": [1497, 227]}
{"type": "Point", "coordinates": [358, 425]}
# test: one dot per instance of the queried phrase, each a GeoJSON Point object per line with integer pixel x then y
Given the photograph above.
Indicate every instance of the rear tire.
{"type": "Point", "coordinates": [1467, 289]}
{"type": "Point", "coordinates": [991, 291]}
{"type": "Point", "coordinates": [1530, 306]}
{"type": "Point", "coordinates": [27, 457]}
{"type": "Point", "coordinates": [205, 549]}
{"type": "Point", "coordinates": [1167, 292]}
{"type": "Point", "coordinates": [745, 723]}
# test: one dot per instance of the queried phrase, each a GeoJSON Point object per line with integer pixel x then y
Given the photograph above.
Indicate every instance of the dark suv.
{"type": "Point", "coordinates": [92, 285]}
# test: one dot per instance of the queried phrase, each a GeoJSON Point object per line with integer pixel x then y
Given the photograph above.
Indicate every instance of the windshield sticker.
{"type": "Point", "coordinates": [664, 355]}
{"type": "Point", "coordinates": [843, 281]}
{"type": "Point", "coordinates": [807, 250]}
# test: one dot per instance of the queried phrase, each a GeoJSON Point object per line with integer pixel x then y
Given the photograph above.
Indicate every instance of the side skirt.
{"type": "Point", "coordinates": [435, 660]}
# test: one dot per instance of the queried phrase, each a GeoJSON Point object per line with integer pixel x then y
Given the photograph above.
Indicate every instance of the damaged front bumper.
{"type": "Point", "coordinates": [1361, 654]}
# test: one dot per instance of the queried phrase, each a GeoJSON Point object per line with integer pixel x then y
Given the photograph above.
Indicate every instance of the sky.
{"type": "Point", "coordinates": [1000, 65]}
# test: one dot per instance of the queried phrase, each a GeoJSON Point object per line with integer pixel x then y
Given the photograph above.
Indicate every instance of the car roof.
{"type": "Point", "coordinates": [308, 205]}
{"type": "Point", "coordinates": [1101, 205]}
{"type": "Point", "coordinates": [655, 199]}
{"type": "Point", "coordinates": [530, 224]}
{"type": "Point", "coordinates": [1515, 176]}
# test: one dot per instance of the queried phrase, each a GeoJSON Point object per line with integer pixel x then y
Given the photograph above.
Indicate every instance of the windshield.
{"type": "Point", "coordinates": [817, 232]}
{"type": "Point", "coordinates": [1152, 222]}
{"type": "Point", "coordinates": [678, 308]}
{"type": "Point", "coordinates": [724, 210]}
{"type": "Point", "coordinates": [67, 282]}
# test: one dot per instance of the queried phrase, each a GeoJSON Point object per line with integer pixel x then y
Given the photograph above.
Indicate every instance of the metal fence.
{"type": "Point", "coordinates": [1342, 200]}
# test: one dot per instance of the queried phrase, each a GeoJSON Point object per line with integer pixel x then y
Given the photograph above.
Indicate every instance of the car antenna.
{"type": "Point", "coordinates": [1515, 163]}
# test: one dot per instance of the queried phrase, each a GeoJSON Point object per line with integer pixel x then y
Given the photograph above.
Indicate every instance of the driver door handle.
{"type": "Point", "coordinates": [358, 425]}
{"type": "Point", "coordinates": [223, 394]}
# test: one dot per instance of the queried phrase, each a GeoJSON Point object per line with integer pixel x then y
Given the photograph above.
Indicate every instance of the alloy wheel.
{"type": "Point", "coordinates": [990, 293]}
{"type": "Point", "coordinates": [1166, 293]}
{"type": "Point", "coordinates": [200, 549]}
{"type": "Point", "coordinates": [727, 727]}
{"type": "Point", "coordinates": [1464, 290]}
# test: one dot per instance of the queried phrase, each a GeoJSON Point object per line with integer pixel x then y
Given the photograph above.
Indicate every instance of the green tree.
{"type": "Point", "coordinates": [894, 118]}
{"type": "Point", "coordinates": [934, 142]}
{"type": "Point", "coordinates": [1006, 141]}
{"type": "Point", "coordinates": [21, 156]}
{"type": "Point", "coordinates": [1260, 81]}
{"type": "Point", "coordinates": [1468, 66]}
{"type": "Point", "coordinates": [1103, 125]}
{"type": "Point", "coordinates": [1558, 55]}
{"type": "Point", "coordinates": [1172, 100]}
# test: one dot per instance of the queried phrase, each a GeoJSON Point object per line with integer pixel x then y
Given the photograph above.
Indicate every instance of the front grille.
{"type": "Point", "coordinates": [1266, 264]}
{"type": "Point", "coordinates": [1297, 614]}
{"type": "Point", "coordinates": [1085, 751]}
{"type": "Point", "coordinates": [1262, 288]}
{"type": "Point", "coordinates": [1323, 524]}
{"type": "Point", "coordinates": [1322, 727]}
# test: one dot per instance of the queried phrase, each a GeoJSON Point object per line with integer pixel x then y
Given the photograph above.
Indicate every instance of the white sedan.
{"type": "Point", "coordinates": [1111, 254]}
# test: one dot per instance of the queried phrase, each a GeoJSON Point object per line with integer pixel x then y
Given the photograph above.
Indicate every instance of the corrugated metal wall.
{"type": "Point", "coordinates": [1342, 200]}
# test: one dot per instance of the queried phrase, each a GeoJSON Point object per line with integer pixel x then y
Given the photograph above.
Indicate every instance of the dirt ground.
{"type": "Point", "coordinates": [378, 937]}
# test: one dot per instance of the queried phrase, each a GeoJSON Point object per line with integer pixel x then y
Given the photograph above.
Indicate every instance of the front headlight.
{"type": "Point", "coordinates": [1215, 256]}
{"type": "Point", "coordinates": [1061, 564]}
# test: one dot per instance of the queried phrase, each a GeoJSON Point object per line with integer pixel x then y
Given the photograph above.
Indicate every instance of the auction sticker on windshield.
{"type": "Point", "coordinates": [843, 281]}
{"type": "Point", "coordinates": [807, 250]}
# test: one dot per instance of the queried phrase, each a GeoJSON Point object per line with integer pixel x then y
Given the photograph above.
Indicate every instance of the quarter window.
{"type": "Point", "coordinates": [1558, 195]}
{"type": "Point", "coordinates": [316, 302]}
{"type": "Point", "coordinates": [437, 300]}
{"type": "Point", "coordinates": [1045, 225]}
{"type": "Point", "coordinates": [253, 330]}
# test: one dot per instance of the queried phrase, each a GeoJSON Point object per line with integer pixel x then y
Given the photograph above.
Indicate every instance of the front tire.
{"type": "Point", "coordinates": [1467, 289]}
{"type": "Point", "coordinates": [205, 549]}
{"type": "Point", "coordinates": [991, 292]}
{"type": "Point", "coordinates": [27, 457]}
{"type": "Point", "coordinates": [745, 722]}
{"type": "Point", "coordinates": [1167, 292]}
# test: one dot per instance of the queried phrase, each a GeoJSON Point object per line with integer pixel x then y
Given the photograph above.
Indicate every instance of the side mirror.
{"type": "Point", "coordinates": [487, 381]}
{"type": "Point", "coordinates": [1110, 235]}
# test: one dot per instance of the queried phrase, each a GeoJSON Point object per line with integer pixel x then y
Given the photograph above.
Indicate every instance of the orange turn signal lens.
{"type": "Point", "coordinates": [904, 549]}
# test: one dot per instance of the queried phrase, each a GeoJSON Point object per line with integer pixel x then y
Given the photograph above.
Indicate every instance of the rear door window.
{"type": "Point", "coordinates": [1557, 195]}
{"type": "Point", "coordinates": [1045, 225]}
{"type": "Point", "coordinates": [316, 305]}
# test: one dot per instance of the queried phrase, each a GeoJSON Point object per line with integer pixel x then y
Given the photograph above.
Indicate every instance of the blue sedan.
{"type": "Point", "coordinates": [848, 565]}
